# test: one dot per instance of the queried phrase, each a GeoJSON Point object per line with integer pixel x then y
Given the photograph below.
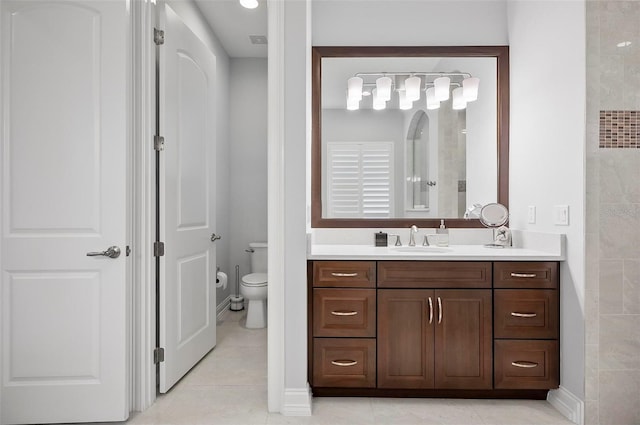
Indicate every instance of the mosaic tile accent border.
{"type": "Point", "coordinates": [619, 129]}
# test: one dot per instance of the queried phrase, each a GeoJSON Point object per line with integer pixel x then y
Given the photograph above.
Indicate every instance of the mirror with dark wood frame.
{"type": "Point", "coordinates": [319, 218]}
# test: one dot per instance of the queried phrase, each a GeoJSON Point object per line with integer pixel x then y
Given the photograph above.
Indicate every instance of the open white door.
{"type": "Point", "coordinates": [63, 141]}
{"type": "Point", "coordinates": [187, 209]}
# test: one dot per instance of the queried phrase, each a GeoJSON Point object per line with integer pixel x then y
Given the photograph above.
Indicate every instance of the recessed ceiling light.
{"type": "Point", "coordinates": [258, 39]}
{"type": "Point", "coordinates": [249, 4]}
{"type": "Point", "coordinates": [624, 44]}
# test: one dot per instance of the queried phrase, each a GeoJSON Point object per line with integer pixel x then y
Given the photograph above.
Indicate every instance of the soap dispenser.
{"type": "Point", "coordinates": [443, 235]}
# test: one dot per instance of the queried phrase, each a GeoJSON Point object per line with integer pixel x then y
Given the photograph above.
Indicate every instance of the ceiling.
{"type": "Point", "coordinates": [233, 24]}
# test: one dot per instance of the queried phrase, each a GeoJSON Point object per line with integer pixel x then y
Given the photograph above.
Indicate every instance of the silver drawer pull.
{"type": "Point", "coordinates": [344, 313]}
{"type": "Point", "coordinates": [526, 365]}
{"type": "Point", "coordinates": [529, 275]}
{"type": "Point", "coordinates": [344, 363]}
{"type": "Point", "coordinates": [516, 314]}
{"type": "Point", "coordinates": [344, 274]}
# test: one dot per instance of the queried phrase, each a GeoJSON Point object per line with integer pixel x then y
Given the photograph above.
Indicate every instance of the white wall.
{"type": "Point", "coordinates": [247, 161]}
{"type": "Point", "coordinates": [547, 148]}
{"type": "Point", "coordinates": [191, 15]}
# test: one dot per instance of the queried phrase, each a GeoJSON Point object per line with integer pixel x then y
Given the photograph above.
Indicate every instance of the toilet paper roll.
{"type": "Point", "coordinates": [222, 280]}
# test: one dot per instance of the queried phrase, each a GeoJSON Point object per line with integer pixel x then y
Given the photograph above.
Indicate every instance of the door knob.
{"type": "Point", "coordinates": [215, 237]}
{"type": "Point", "coordinates": [111, 252]}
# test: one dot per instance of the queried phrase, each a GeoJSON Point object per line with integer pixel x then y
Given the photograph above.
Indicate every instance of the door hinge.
{"type": "Point", "coordinates": [158, 355]}
{"type": "Point", "coordinates": [158, 143]}
{"type": "Point", "coordinates": [158, 249]}
{"type": "Point", "coordinates": [158, 37]}
{"type": "Point", "coordinates": [128, 250]}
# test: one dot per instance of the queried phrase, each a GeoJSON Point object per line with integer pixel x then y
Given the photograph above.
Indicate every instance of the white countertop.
{"type": "Point", "coordinates": [417, 253]}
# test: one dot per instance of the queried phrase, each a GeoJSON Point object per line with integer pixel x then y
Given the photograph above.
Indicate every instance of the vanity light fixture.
{"type": "Point", "coordinates": [432, 102]}
{"type": "Point", "coordinates": [409, 86]}
{"type": "Point", "coordinates": [412, 88]}
{"type": "Point", "coordinates": [403, 102]}
{"type": "Point", "coordinates": [442, 88]}
{"type": "Point", "coordinates": [383, 85]}
{"type": "Point", "coordinates": [378, 102]}
{"type": "Point", "coordinates": [458, 99]}
{"type": "Point", "coordinates": [354, 88]}
{"type": "Point", "coordinates": [470, 88]}
{"type": "Point", "coordinates": [249, 4]}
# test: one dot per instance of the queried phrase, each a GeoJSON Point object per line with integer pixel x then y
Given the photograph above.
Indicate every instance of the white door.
{"type": "Point", "coordinates": [187, 209]}
{"type": "Point", "coordinates": [63, 139]}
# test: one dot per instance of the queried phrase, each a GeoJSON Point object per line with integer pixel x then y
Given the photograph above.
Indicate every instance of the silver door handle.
{"type": "Point", "coordinates": [215, 237]}
{"type": "Point", "coordinates": [439, 310]}
{"type": "Point", "coordinates": [528, 315]}
{"type": "Point", "coordinates": [111, 252]}
{"type": "Point", "coordinates": [524, 364]}
{"type": "Point", "coordinates": [430, 311]}
{"type": "Point", "coordinates": [525, 275]}
{"type": "Point", "coordinates": [344, 363]}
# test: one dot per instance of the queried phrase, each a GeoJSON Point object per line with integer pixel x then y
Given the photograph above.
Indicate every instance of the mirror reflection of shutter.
{"type": "Point", "coordinates": [359, 179]}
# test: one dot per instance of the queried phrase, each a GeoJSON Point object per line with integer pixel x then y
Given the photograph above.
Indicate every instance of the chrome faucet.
{"type": "Point", "coordinates": [412, 235]}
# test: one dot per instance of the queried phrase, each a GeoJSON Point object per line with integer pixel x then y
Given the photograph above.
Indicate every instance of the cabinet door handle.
{"type": "Point", "coordinates": [344, 363]}
{"type": "Point", "coordinates": [525, 275]}
{"type": "Point", "coordinates": [344, 274]}
{"type": "Point", "coordinates": [516, 314]}
{"type": "Point", "coordinates": [344, 313]}
{"type": "Point", "coordinates": [526, 365]}
{"type": "Point", "coordinates": [439, 310]}
{"type": "Point", "coordinates": [430, 311]}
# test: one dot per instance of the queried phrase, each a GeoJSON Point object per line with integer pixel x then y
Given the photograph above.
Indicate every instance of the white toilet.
{"type": "Point", "coordinates": [254, 286]}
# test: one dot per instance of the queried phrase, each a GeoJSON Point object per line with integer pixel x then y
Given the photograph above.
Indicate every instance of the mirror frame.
{"type": "Point", "coordinates": [501, 53]}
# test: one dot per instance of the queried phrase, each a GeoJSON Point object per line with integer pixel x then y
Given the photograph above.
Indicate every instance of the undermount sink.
{"type": "Point", "coordinates": [423, 249]}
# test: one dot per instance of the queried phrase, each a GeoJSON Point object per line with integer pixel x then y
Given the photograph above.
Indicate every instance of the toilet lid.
{"type": "Point", "coordinates": [255, 279]}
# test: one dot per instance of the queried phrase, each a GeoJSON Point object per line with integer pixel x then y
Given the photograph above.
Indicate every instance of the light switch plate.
{"type": "Point", "coordinates": [561, 215]}
{"type": "Point", "coordinates": [531, 214]}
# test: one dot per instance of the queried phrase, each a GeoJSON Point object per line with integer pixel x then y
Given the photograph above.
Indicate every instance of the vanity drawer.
{"type": "Point", "coordinates": [525, 275]}
{"type": "Point", "coordinates": [344, 362]}
{"type": "Point", "coordinates": [344, 274]}
{"type": "Point", "coordinates": [344, 312]}
{"type": "Point", "coordinates": [526, 365]}
{"type": "Point", "coordinates": [434, 274]}
{"type": "Point", "coordinates": [525, 313]}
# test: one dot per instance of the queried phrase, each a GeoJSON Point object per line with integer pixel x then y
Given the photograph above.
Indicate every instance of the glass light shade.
{"type": "Point", "coordinates": [470, 88]}
{"type": "Point", "coordinates": [383, 85]}
{"type": "Point", "coordinates": [412, 88]}
{"type": "Point", "coordinates": [378, 103]}
{"type": "Point", "coordinates": [354, 88]}
{"type": "Point", "coordinates": [249, 4]}
{"type": "Point", "coordinates": [458, 99]}
{"type": "Point", "coordinates": [353, 104]}
{"type": "Point", "coordinates": [403, 102]}
{"type": "Point", "coordinates": [441, 85]}
{"type": "Point", "coordinates": [432, 102]}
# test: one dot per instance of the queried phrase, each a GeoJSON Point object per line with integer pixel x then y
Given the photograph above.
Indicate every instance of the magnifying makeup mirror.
{"type": "Point", "coordinates": [493, 216]}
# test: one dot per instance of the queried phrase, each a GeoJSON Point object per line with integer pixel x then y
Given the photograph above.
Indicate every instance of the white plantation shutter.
{"type": "Point", "coordinates": [359, 179]}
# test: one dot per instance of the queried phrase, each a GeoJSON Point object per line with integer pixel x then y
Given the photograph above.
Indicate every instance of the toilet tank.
{"type": "Point", "coordinates": [258, 257]}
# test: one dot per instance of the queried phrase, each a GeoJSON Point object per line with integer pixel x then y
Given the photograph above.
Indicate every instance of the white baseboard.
{"type": "Point", "coordinates": [296, 402]}
{"type": "Point", "coordinates": [568, 404]}
{"type": "Point", "coordinates": [222, 307]}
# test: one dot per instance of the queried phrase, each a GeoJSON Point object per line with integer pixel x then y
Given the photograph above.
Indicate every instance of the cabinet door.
{"type": "Point", "coordinates": [463, 340]}
{"type": "Point", "coordinates": [405, 338]}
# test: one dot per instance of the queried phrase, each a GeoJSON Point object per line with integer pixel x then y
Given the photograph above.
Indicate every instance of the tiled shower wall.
{"type": "Point", "coordinates": [612, 301]}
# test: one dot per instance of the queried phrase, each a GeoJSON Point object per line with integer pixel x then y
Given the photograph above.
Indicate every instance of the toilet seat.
{"type": "Point", "coordinates": [255, 279]}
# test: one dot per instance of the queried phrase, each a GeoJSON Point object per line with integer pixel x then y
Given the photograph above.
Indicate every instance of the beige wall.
{"type": "Point", "coordinates": [612, 301]}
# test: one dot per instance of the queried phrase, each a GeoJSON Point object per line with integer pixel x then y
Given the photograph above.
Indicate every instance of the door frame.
{"type": "Point", "coordinates": [144, 17]}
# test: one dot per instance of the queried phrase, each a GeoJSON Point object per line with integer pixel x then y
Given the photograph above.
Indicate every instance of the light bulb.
{"type": "Point", "coordinates": [441, 85]}
{"type": "Point", "coordinates": [470, 88]}
{"type": "Point", "coordinates": [353, 104]}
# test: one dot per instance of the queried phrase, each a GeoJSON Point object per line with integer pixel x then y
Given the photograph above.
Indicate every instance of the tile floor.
{"type": "Point", "coordinates": [229, 387]}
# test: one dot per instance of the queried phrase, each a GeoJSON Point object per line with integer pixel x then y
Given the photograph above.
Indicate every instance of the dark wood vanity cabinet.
{"type": "Point", "coordinates": [433, 327]}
